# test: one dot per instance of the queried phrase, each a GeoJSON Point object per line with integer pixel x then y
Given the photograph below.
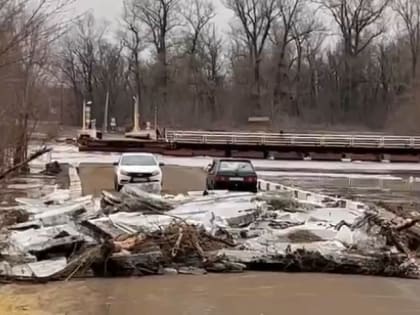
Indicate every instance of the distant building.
{"type": "Point", "coordinates": [259, 123]}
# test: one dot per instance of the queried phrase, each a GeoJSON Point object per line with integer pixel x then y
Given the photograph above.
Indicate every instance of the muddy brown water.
{"type": "Point", "coordinates": [31, 186]}
{"type": "Point", "coordinates": [245, 294]}
{"type": "Point", "coordinates": [399, 190]}
{"type": "Point", "coordinates": [248, 293]}
{"type": "Point", "coordinates": [178, 179]}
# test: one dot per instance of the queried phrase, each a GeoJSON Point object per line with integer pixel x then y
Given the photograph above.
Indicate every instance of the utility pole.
{"type": "Point", "coordinates": [84, 115]}
{"type": "Point", "coordinates": [136, 127]}
{"type": "Point", "coordinates": [105, 124]}
{"type": "Point", "coordinates": [156, 117]}
{"type": "Point", "coordinates": [61, 104]}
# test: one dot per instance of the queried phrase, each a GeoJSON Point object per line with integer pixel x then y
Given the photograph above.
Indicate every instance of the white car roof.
{"type": "Point", "coordinates": [138, 154]}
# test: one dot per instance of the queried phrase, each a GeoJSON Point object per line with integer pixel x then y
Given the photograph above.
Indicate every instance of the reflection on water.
{"type": "Point", "coordinates": [396, 189]}
{"type": "Point", "coordinates": [250, 293]}
{"type": "Point", "coordinates": [32, 186]}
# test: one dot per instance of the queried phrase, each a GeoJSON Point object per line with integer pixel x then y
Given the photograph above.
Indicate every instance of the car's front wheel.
{"type": "Point", "coordinates": [117, 187]}
{"type": "Point", "coordinates": [208, 186]}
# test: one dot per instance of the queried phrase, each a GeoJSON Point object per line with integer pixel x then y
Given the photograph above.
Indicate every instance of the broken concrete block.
{"type": "Point", "coordinates": [40, 269]}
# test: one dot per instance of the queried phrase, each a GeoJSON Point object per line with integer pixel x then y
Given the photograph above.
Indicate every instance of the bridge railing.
{"type": "Point", "coordinates": [292, 139]}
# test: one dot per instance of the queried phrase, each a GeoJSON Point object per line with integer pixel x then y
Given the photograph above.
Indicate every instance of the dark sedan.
{"type": "Point", "coordinates": [231, 174]}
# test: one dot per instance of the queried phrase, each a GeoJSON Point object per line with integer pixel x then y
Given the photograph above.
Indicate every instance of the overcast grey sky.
{"type": "Point", "coordinates": [112, 9]}
{"type": "Point", "coordinates": [109, 9]}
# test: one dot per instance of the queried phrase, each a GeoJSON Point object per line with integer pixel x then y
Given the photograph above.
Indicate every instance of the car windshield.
{"type": "Point", "coordinates": [146, 160]}
{"type": "Point", "coordinates": [236, 166]}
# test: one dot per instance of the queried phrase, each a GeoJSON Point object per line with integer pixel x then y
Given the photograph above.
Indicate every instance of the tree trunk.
{"type": "Point", "coordinates": [164, 78]}
{"type": "Point", "coordinates": [257, 88]}
{"type": "Point", "coordinates": [277, 94]}
{"type": "Point", "coordinates": [414, 65]}
{"type": "Point", "coordinates": [138, 86]}
{"type": "Point", "coordinates": [347, 88]}
{"type": "Point", "coordinates": [296, 107]}
{"type": "Point", "coordinates": [212, 103]}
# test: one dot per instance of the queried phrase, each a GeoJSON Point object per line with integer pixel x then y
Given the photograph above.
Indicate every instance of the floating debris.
{"type": "Point", "coordinates": [137, 233]}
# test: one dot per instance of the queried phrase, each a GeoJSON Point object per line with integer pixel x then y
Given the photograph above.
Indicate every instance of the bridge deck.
{"type": "Point", "coordinates": [293, 139]}
{"type": "Point", "coordinates": [262, 145]}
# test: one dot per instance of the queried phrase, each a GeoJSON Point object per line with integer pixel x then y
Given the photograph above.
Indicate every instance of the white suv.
{"type": "Point", "coordinates": [137, 168]}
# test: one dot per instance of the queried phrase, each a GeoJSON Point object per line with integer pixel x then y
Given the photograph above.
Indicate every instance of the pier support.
{"type": "Point", "coordinates": [136, 125]}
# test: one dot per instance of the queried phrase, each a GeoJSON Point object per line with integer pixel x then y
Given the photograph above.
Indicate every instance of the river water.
{"type": "Point", "coordinates": [245, 294]}
{"type": "Point", "coordinates": [401, 189]}
{"type": "Point", "coordinates": [248, 293]}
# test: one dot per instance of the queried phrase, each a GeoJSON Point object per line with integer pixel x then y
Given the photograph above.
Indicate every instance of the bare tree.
{"type": "Point", "coordinates": [256, 18]}
{"type": "Point", "coordinates": [357, 20]}
{"type": "Point", "coordinates": [20, 18]}
{"type": "Point", "coordinates": [160, 18]}
{"type": "Point", "coordinates": [278, 54]}
{"type": "Point", "coordinates": [87, 40]}
{"type": "Point", "coordinates": [409, 11]}
{"type": "Point", "coordinates": [71, 74]}
{"type": "Point", "coordinates": [29, 28]}
{"type": "Point", "coordinates": [79, 58]}
{"type": "Point", "coordinates": [36, 51]}
{"type": "Point", "coordinates": [358, 24]}
{"type": "Point", "coordinates": [133, 41]}
{"type": "Point", "coordinates": [302, 31]}
{"type": "Point", "coordinates": [313, 55]}
{"type": "Point", "coordinates": [197, 13]}
{"type": "Point", "coordinates": [110, 70]}
{"type": "Point", "coordinates": [287, 30]}
{"type": "Point", "coordinates": [211, 58]}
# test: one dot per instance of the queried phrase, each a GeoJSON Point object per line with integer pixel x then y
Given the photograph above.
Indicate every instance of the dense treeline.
{"type": "Point", "coordinates": [306, 64]}
{"type": "Point", "coordinates": [29, 30]}
{"type": "Point", "coordinates": [326, 63]}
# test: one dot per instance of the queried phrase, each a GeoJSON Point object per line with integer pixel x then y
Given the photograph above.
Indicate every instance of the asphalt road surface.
{"type": "Point", "coordinates": [176, 179]}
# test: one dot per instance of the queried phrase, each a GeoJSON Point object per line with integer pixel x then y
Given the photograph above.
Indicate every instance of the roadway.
{"type": "Point", "coordinates": [176, 179]}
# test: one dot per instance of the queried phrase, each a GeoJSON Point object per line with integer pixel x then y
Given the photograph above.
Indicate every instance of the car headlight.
{"type": "Point", "coordinates": [124, 173]}
{"type": "Point", "coordinates": [155, 173]}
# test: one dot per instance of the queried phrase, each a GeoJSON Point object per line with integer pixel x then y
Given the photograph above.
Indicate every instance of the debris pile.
{"type": "Point", "coordinates": [18, 166]}
{"type": "Point", "coordinates": [135, 233]}
{"type": "Point", "coordinates": [178, 247]}
{"type": "Point", "coordinates": [52, 168]}
{"type": "Point", "coordinates": [12, 216]}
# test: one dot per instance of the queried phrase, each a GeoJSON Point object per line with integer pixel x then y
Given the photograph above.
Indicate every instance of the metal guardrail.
{"type": "Point", "coordinates": [292, 139]}
{"type": "Point", "coordinates": [310, 196]}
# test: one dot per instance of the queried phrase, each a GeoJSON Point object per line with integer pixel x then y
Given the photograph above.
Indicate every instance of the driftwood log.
{"type": "Point", "coordinates": [18, 166]}
{"type": "Point", "coordinates": [394, 231]}
{"type": "Point", "coordinates": [347, 262]}
{"type": "Point", "coordinates": [178, 245]}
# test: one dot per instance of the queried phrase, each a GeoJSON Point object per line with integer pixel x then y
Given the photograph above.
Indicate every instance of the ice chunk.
{"type": "Point", "coordinates": [35, 238]}
{"type": "Point", "coordinates": [34, 203]}
{"type": "Point", "coordinates": [333, 215]}
{"type": "Point", "coordinates": [40, 269]}
{"type": "Point", "coordinates": [151, 188]}
{"type": "Point", "coordinates": [131, 222]}
{"type": "Point", "coordinates": [59, 196]}
{"type": "Point", "coordinates": [145, 200]}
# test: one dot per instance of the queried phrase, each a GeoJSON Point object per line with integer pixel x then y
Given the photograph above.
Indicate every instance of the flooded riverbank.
{"type": "Point", "coordinates": [251, 293]}
{"type": "Point", "coordinates": [32, 185]}
{"type": "Point", "coordinates": [367, 181]}
{"type": "Point", "coordinates": [395, 189]}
